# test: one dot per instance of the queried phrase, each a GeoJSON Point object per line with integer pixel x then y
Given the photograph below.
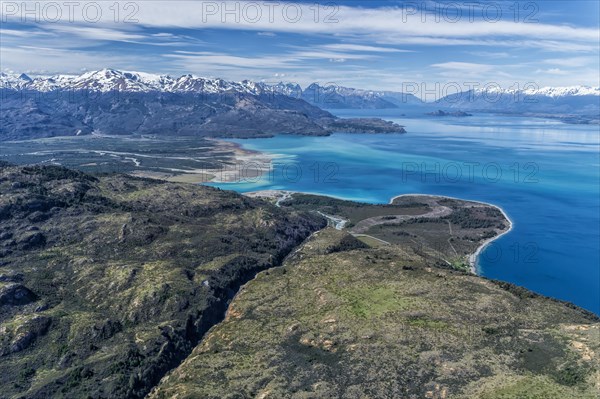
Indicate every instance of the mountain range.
{"type": "Point", "coordinates": [574, 104]}
{"type": "Point", "coordinates": [113, 102]}
{"type": "Point", "coordinates": [119, 103]}
{"type": "Point", "coordinates": [579, 101]}
{"type": "Point", "coordinates": [332, 96]}
{"type": "Point", "coordinates": [107, 80]}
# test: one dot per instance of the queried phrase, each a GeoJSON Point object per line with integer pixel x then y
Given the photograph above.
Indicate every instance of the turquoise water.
{"type": "Point", "coordinates": [544, 174]}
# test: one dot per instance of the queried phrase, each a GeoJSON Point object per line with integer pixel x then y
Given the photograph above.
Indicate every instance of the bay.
{"type": "Point", "coordinates": [543, 173]}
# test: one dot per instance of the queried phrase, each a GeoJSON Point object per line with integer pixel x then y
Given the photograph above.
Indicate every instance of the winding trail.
{"type": "Point", "coordinates": [337, 221]}
{"type": "Point", "coordinates": [285, 195]}
{"type": "Point", "coordinates": [437, 211]}
{"type": "Point", "coordinates": [374, 238]}
{"type": "Point", "coordinates": [472, 259]}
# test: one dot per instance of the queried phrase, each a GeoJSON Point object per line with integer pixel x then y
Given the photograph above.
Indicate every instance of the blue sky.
{"type": "Point", "coordinates": [367, 44]}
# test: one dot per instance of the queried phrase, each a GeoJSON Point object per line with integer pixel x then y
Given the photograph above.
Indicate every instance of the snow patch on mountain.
{"type": "Point", "coordinates": [106, 80]}
{"type": "Point", "coordinates": [544, 91]}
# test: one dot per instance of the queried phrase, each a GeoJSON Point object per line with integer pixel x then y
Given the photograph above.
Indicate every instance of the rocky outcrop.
{"type": "Point", "coordinates": [14, 294]}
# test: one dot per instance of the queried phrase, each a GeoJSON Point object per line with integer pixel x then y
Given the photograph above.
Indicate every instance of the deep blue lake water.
{"type": "Point", "coordinates": [544, 174]}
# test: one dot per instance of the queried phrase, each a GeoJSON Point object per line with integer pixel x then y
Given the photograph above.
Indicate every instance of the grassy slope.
{"type": "Point", "coordinates": [363, 323]}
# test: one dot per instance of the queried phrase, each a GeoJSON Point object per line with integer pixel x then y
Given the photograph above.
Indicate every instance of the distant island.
{"type": "Point", "coordinates": [439, 112]}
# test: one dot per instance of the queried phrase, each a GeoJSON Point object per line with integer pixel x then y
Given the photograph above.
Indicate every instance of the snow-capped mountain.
{"type": "Point", "coordinates": [563, 91]}
{"type": "Point", "coordinates": [577, 104]}
{"type": "Point", "coordinates": [14, 81]}
{"type": "Point", "coordinates": [332, 96]}
{"type": "Point", "coordinates": [107, 80]}
{"type": "Point", "coordinates": [339, 97]}
{"type": "Point", "coordinates": [573, 100]}
{"type": "Point", "coordinates": [288, 89]}
{"type": "Point", "coordinates": [140, 103]}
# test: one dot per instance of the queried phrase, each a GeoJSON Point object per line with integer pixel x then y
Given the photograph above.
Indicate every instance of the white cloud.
{"type": "Point", "coordinates": [464, 67]}
{"type": "Point", "coordinates": [208, 61]}
{"type": "Point", "coordinates": [47, 61]}
{"type": "Point", "coordinates": [22, 33]}
{"type": "Point", "coordinates": [297, 59]}
{"type": "Point", "coordinates": [547, 45]}
{"type": "Point", "coordinates": [321, 54]}
{"type": "Point", "coordinates": [361, 35]}
{"type": "Point", "coordinates": [196, 14]}
{"type": "Point", "coordinates": [572, 61]}
{"type": "Point", "coordinates": [96, 33]}
{"type": "Point", "coordinates": [552, 71]}
{"type": "Point", "coordinates": [362, 48]}
{"type": "Point", "coordinates": [350, 21]}
{"type": "Point", "coordinates": [343, 21]}
{"type": "Point", "coordinates": [491, 54]}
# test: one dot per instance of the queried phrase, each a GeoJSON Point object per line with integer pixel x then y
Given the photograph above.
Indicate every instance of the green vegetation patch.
{"type": "Point", "coordinates": [374, 301]}
{"type": "Point", "coordinates": [538, 387]}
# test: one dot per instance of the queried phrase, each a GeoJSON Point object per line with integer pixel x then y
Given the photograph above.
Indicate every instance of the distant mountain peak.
{"type": "Point", "coordinates": [25, 77]}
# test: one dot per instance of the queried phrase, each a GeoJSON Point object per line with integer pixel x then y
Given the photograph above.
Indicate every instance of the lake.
{"type": "Point", "coordinates": [543, 173]}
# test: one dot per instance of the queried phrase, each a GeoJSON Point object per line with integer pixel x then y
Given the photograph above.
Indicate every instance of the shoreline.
{"type": "Point", "coordinates": [472, 258]}
{"type": "Point", "coordinates": [252, 162]}
{"type": "Point", "coordinates": [475, 255]}
{"type": "Point", "coordinates": [242, 165]}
